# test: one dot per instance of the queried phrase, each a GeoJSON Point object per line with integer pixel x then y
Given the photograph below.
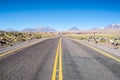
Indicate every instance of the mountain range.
{"type": "Point", "coordinates": [39, 29]}
{"type": "Point", "coordinates": [49, 29]}
{"type": "Point", "coordinates": [112, 26]}
{"type": "Point", "coordinates": [74, 28]}
{"type": "Point", "coordinates": [10, 30]}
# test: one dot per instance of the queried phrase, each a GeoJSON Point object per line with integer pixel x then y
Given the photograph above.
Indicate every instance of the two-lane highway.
{"type": "Point", "coordinates": [58, 59]}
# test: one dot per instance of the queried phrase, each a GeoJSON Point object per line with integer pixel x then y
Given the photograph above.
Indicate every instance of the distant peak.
{"type": "Point", "coordinates": [94, 28]}
{"type": "Point", "coordinates": [113, 26]}
{"type": "Point", "coordinates": [40, 29]}
{"type": "Point", "coordinates": [10, 30]}
{"type": "Point", "coordinates": [74, 28]}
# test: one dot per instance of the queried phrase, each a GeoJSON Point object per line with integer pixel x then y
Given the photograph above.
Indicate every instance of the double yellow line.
{"type": "Point", "coordinates": [58, 62]}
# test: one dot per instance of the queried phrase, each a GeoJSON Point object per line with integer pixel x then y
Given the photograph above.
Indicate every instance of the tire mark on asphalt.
{"type": "Point", "coordinates": [46, 58]}
{"type": "Point", "coordinates": [70, 69]}
{"type": "Point", "coordinates": [23, 65]}
{"type": "Point", "coordinates": [112, 65]}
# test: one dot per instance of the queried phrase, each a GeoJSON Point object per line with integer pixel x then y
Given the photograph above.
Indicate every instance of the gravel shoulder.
{"type": "Point", "coordinates": [105, 48]}
{"type": "Point", "coordinates": [20, 44]}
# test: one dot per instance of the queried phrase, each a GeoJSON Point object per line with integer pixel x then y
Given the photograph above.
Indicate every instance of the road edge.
{"type": "Point", "coordinates": [98, 50]}
{"type": "Point", "coordinates": [20, 48]}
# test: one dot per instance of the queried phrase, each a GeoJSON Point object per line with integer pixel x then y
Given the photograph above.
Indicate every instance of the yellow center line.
{"type": "Point", "coordinates": [58, 56]}
{"type": "Point", "coordinates": [55, 63]}
{"type": "Point", "coordinates": [102, 52]}
{"type": "Point", "coordinates": [60, 62]}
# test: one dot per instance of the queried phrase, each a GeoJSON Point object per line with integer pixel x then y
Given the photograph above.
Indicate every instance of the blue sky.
{"type": "Point", "coordinates": [58, 14]}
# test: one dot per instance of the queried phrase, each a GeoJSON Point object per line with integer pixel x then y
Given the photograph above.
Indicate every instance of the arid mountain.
{"type": "Point", "coordinates": [29, 30]}
{"type": "Point", "coordinates": [10, 30]}
{"type": "Point", "coordinates": [39, 29]}
{"type": "Point", "coordinates": [74, 28]}
{"type": "Point", "coordinates": [112, 26]}
{"type": "Point", "coordinates": [45, 29]}
{"type": "Point", "coordinates": [94, 28]}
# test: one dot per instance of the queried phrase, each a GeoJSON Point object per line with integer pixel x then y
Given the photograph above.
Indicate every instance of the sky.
{"type": "Point", "coordinates": [58, 14]}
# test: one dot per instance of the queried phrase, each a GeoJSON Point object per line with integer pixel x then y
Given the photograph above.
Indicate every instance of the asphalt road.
{"type": "Point", "coordinates": [83, 63]}
{"type": "Point", "coordinates": [79, 62]}
{"type": "Point", "coordinates": [33, 63]}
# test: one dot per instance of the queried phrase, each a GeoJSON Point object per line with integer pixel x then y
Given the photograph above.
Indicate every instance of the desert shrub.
{"type": "Point", "coordinates": [9, 38]}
